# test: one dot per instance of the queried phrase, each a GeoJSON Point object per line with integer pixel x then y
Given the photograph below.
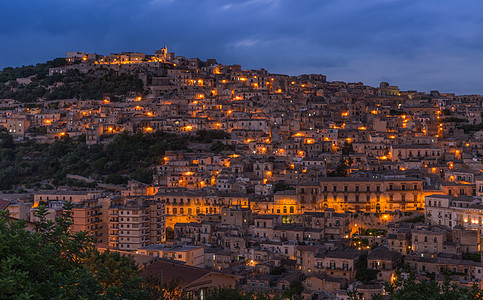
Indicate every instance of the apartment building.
{"type": "Point", "coordinates": [190, 255]}
{"type": "Point", "coordinates": [136, 223]}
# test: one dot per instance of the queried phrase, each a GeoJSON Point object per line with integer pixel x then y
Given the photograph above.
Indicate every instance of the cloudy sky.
{"type": "Point", "coordinates": [416, 44]}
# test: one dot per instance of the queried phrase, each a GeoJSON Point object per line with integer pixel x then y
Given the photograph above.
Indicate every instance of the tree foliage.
{"type": "Point", "coordinates": [128, 156]}
{"type": "Point", "coordinates": [342, 169]}
{"type": "Point", "coordinates": [364, 274]}
{"type": "Point", "coordinates": [95, 84]}
{"type": "Point", "coordinates": [54, 263]}
{"type": "Point", "coordinates": [430, 290]}
{"type": "Point", "coordinates": [347, 148]}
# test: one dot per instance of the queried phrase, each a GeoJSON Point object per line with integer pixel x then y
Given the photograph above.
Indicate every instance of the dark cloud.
{"type": "Point", "coordinates": [415, 44]}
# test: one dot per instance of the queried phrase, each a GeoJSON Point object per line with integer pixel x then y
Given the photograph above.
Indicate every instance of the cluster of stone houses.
{"type": "Point", "coordinates": [276, 209]}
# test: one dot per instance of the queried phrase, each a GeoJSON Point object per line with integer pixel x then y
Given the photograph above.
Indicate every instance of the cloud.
{"type": "Point", "coordinates": [432, 44]}
{"type": "Point", "coordinates": [247, 43]}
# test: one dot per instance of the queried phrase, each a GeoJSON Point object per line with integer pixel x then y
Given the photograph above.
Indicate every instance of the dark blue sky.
{"type": "Point", "coordinates": [416, 44]}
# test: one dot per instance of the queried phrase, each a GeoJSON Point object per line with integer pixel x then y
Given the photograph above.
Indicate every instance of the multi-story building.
{"type": "Point", "coordinates": [136, 223]}
{"type": "Point", "coordinates": [87, 216]}
{"type": "Point", "coordinates": [465, 211]}
{"type": "Point", "coordinates": [368, 194]}
{"type": "Point", "coordinates": [190, 255]}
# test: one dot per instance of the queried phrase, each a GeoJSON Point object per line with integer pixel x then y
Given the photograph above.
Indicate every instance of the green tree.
{"type": "Point", "coordinates": [294, 291]}
{"type": "Point", "coordinates": [430, 290]}
{"type": "Point", "coordinates": [342, 169]}
{"type": "Point", "coordinates": [364, 274]}
{"type": "Point", "coordinates": [347, 148]}
{"type": "Point", "coordinates": [54, 263]}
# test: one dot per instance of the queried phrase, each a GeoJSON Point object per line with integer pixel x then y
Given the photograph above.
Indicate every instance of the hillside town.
{"type": "Point", "coordinates": [337, 186]}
